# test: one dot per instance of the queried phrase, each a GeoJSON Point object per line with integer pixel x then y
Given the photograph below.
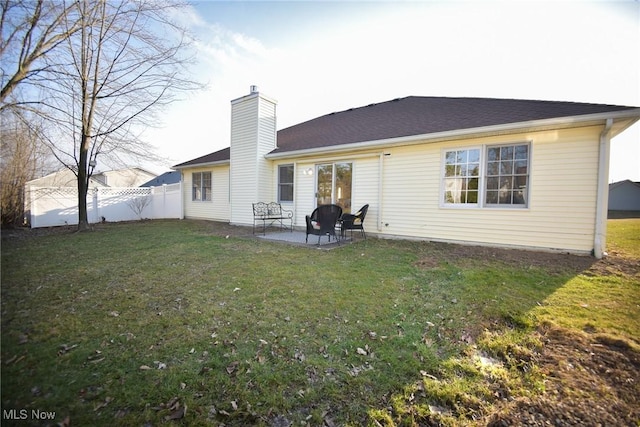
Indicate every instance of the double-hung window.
{"type": "Point", "coordinates": [201, 186]}
{"type": "Point", "coordinates": [461, 176]}
{"type": "Point", "coordinates": [507, 175]}
{"type": "Point", "coordinates": [489, 176]}
{"type": "Point", "coordinates": [285, 183]}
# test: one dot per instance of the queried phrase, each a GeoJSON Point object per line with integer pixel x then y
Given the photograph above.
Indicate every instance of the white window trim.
{"type": "Point", "coordinates": [527, 203]}
{"type": "Point", "coordinates": [293, 183]}
{"type": "Point", "coordinates": [200, 200]}
{"type": "Point", "coordinates": [443, 156]}
{"type": "Point", "coordinates": [482, 179]}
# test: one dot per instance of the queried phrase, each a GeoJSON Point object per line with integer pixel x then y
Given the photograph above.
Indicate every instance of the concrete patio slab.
{"type": "Point", "coordinates": [298, 238]}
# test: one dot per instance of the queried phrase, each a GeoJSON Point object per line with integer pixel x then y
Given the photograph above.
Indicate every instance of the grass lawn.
{"type": "Point", "coordinates": [174, 321]}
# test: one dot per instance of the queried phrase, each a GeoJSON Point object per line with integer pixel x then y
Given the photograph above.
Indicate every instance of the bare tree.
{"type": "Point", "coordinates": [138, 204]}
{"type": "Point", "coordinates": [30, 31]}
{"type": "Point", "coordinates": [117, 64]}
{"type": "Point", "coordinates": [23, 157]}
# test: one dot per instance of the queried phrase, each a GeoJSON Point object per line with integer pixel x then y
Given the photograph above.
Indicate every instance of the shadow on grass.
{"type": "Point", "coordinates": [136, 322]}
{"type": "Point", "coordinates": [522, 368]}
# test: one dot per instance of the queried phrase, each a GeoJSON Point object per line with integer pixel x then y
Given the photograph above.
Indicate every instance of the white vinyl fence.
{"type": "Point", "coordinates": [53, 206]}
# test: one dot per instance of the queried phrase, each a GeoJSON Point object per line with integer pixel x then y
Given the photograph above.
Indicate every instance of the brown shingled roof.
{"type": "Point", "coordinates": [416, 115]}
{"type": "Point", "coordinates": [218, 156]}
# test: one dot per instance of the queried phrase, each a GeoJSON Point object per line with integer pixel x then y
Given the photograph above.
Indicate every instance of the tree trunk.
{"type": "Point", "coordinates": [105, 67]}
{"type": "Point", "coordinates": [83, 184]}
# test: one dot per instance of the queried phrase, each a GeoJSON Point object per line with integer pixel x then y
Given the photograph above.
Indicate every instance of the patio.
{"type": "Point", "coordinates": [297, 237]}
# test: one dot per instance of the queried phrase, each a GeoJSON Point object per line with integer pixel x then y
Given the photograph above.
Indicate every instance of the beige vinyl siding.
{"type": "Point", "coordinates": [562, 199]}
{"type": "Point", "coordinates": [411, 187]}
{"type": "Point", "coordinates": [218, 208]}
{"type": "Point", "coordinates": [266, 134]}
{"type": "Point", "coordinates": [243, 160]}
{"type": "Point", "coordinates": [365, 189]}
{"type": "Point", "coordinates": [364, 185]}
{"type": "Point", "coordinates": [252, 136]}
{"type": "Point", "coordinates": [561, 204]}
{"type": "Point", "coordinates": [291, 206]}
{"type": "Point", "coordinates": [303, 193]}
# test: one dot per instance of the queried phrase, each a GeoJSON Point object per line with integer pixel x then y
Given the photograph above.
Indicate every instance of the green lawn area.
{"type": "Point", "coordinates": [132, 323]}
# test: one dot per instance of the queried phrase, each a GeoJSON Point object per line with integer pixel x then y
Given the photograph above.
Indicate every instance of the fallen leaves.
{"type": "Point", "coordinates": [173, 408]}
{"type": "Point", "coordinates": [323, 351]}
{"type": "Point", "coordinates": [366, 351]}
{"type": "Point", "coordinates": [64, 349]}
{"type": "Point", "coordinates": [159, 365]}
{"type": "Point", "coordinates": [354, 371]}
{"type": "Point", "coordinates": [299, 356]}
{"type": "Point", "coordinates": [428, 375]}
{"type": "Point", "coordinates": [177, 414]}
{"type": "Point", "coordinates": [232, 367]}
{"type": "Point", "coordinates": [103, 404]}
{"type": "Point", "coordinates": [280, 421]}
{"type": "Point", "coordinates": [14, 359]}
{"type": "Point", "coordinates": [96, 357]}
{"type": "Point", "coordinates": [235, 406]}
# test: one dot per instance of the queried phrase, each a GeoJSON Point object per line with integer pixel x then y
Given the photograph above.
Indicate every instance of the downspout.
{"type": "Point", "coordinates": [295, 192]}
{"type": "Point", "coordinates": [380, 182]}
{"type": "Point", "coordinates": [181, 196]}
{"type": "Point", "coordinates": [602, 196]}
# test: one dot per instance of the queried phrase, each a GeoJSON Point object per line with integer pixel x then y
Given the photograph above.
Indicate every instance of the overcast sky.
{"type": "Point", "coordinates": [318, 57]}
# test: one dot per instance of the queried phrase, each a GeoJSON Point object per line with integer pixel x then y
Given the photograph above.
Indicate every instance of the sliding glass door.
{"type": "Point", "coordinates": [333, 185]}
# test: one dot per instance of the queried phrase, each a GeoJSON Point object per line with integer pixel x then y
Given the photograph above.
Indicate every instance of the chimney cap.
{"type": "Point", "coordinates": [253, 89]}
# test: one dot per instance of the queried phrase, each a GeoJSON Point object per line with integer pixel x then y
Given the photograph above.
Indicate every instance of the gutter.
{"type": "Point", "coordinates": [531, 125]}
{"type": "Point", "coordinates": [199, 165]}
{"type": "Point", "coordinates": [602, 195]}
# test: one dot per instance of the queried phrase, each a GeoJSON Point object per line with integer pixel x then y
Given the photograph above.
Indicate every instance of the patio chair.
{"type": "Point", "coordinates": [322, 221]}
{"type": "Point", "coordinates": [354, 221]}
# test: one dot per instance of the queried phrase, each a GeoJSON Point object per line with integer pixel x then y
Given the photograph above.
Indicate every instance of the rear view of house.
{"type": "Point", "coordinates": [500, 172]}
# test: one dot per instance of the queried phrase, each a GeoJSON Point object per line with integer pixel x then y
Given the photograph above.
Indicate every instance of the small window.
{"type": "Point", "coordinates": [201, 186]}
{"type": "Point", "coordinates": [285, 183]}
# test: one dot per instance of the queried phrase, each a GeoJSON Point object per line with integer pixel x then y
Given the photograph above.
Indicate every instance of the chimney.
{"type": "Point", "coordinates": [253, 135]}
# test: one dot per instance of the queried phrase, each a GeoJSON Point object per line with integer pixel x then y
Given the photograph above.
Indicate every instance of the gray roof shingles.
{"type": "Point", "coordinates": [217, 156]}
{"type": "Point", "coordinates": [417, 115]}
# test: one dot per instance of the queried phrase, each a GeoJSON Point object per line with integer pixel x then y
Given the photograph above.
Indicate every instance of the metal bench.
{"type": "Point", "coordinates": [271, 213]}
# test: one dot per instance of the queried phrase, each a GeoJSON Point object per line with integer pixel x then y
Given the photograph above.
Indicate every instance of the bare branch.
{"type": "Point", "coordinates": [36, 30]}
{"type": "Point", "coordinates": [23, 156]}
{"type": "Point", "coordinates": [97, 70]}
